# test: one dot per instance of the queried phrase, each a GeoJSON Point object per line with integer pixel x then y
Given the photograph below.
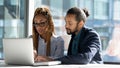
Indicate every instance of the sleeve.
{"type": "Point", "coordinates": [92, 44]}
{"type": "Point", "coordinates": [59, 50]}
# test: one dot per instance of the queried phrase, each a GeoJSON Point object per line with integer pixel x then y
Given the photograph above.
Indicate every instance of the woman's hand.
{"type": "Point", "coordinates": [35, 54]}
{"type": "Point", "coordinates": [42, 58]}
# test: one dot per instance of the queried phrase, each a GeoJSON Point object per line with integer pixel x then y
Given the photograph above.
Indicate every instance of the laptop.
{"type": "Point", "coordinates": [19, 51]}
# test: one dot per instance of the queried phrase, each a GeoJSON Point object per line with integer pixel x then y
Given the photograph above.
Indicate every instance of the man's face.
{"type": "Point", "coordinates": [71, 24]}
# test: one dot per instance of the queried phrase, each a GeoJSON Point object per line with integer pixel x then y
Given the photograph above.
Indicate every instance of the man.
{"type": "Point", "coordinates": [85, 46]}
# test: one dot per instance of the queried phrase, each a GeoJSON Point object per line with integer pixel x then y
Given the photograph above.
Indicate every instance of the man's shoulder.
{"type": "Point", "coordinates": [89, 30]}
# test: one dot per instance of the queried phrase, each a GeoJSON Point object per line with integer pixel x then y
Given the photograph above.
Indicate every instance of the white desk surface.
{"type": "Point", "coordinates": [2, 64]}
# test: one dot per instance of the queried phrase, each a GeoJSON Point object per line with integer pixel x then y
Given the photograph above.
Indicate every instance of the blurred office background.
{"type": "Point", "coordinates": [16, 21]}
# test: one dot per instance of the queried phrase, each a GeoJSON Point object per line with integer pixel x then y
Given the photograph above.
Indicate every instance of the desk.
{"type": "Point", "coordinates": [2, 64]}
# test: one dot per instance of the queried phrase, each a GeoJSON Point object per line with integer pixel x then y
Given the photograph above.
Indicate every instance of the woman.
{"type": "Point", "coordinates": [46, 44]}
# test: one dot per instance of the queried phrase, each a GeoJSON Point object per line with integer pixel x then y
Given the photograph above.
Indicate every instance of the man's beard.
{"type": "Point", "coordinates": [69, 32]}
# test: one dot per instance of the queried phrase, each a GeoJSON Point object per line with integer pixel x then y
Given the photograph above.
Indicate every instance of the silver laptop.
{"type": "Point", "coordinates": [20, 52]}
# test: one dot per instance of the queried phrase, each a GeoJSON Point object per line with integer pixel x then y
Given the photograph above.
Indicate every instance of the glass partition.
{"type": "Point", "coordinates": [12, 20]}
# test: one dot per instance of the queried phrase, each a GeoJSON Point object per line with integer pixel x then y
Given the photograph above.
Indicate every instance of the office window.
{"type": "Point", "coordinates": [14, 2]}
{"type": "Point", "coordinates": [73, 3]}
{"type": "Point", "coordinates": [56, 8]}
{"type": "Point", "coordinates": [104, 43]}
{"type": "Point", "coordinates": [1, 26]}
{"type": "Point", "coordinates": [116, 10]}
{"type": "Point", "coordinates": [68, 4]}
{"type": "Point", "coordinates": [1, 29]}
{"type": "Point", "coordinates": [1, 2]}
{"type": "Point", "coordinates": [104, 35]}
{"type": "Point", "coordinates": [88, 4]}
{"type": "Point", "coordinates": [112, 53]}
{"type": "Point", "coordinates": [12, 20]}
{"type": "Point", "coordinates": [101, 9]}
{"type": "Point", "coordinates": [37, 3]}
{"type": "Point", "coordinates": [46, 2]}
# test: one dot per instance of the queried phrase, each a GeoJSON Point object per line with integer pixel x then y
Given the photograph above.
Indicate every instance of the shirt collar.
{"type": "Point", "coordinates": [40, 38]}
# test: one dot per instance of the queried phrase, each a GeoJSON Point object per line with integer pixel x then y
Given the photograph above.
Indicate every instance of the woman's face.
{"type": "Point", "coordinates": [40, 23]}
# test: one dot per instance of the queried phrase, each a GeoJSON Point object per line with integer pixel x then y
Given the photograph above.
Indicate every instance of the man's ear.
{"type": "Point", "coordinates": [81, 23]}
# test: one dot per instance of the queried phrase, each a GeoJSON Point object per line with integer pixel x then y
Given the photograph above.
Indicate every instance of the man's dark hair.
{"type": "Point", "coordinates": [80, 14]}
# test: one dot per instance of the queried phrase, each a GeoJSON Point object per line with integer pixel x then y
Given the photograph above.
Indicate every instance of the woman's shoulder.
{"type": "Point", "coordinates": [57, 38]}
{"type": "Point", "coordinates": [58, 41]}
